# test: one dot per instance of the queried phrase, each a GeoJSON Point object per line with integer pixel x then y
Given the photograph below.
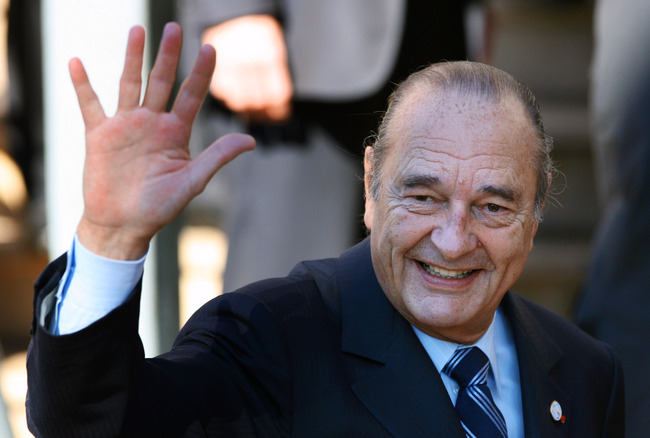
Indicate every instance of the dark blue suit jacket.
{"type": "Point", "coordinates": [320, 353]}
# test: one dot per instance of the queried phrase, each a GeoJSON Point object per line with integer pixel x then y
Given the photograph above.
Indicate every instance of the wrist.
{"type": "Point", "coordinates": [110, 242]}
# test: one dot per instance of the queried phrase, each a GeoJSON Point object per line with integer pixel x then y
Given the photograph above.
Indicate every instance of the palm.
{"type": "Point", "coordinates": [138, 174]}
{"type": "Point", "coordinates": [122, 173]}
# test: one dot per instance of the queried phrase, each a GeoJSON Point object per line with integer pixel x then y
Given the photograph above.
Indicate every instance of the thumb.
{"type": "Point", "coordinates": [217, 155]}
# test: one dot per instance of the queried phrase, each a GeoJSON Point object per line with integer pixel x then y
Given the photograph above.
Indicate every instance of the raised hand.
{"type": "Point", "coordinates": [138, 174]}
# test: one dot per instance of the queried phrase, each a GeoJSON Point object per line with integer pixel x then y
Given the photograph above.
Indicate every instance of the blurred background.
{"type": "Point", "coordinates": [545, 43]}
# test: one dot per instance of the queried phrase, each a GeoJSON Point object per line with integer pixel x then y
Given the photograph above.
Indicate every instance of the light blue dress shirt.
{"type": "Point", "coordinates": [91, 287]}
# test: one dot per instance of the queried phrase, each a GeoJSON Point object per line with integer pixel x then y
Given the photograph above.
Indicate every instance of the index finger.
{"type": "Point", "coordinates": [91, 109]}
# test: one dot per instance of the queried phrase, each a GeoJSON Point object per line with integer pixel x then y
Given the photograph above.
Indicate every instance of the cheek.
{"type": "Point", "coordinates": [388, 223]}
{"type": "Point", "coordinates": [393, 235]}
{"type": "Point", "coordinates": [405, 225]}
{"type": "Point", "coordinates": [509, 252]}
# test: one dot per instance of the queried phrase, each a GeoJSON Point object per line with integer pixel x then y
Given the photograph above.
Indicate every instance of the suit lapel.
{"type": "Point", "coordinates": [396, 379]}
{"type": "Point", "coordinates": [537, 355]}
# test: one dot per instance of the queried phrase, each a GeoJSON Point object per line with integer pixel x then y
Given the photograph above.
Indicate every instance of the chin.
{"type": "Point", "coordinates": [440, 315]}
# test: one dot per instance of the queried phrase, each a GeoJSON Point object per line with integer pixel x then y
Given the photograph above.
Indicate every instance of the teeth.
{"type": "Point", "coordinates": [444, 273]}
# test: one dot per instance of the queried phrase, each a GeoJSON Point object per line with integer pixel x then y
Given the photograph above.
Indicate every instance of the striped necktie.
{"type": "Point", "coordinates": [479, 415]}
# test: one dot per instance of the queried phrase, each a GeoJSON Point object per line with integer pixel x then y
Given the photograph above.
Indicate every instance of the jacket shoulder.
{"type": "Point", "coordinates": [538, 319]}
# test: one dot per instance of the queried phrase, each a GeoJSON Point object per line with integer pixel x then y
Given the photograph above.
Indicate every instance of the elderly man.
{"type": "Point", "coordinates": [413, 332]}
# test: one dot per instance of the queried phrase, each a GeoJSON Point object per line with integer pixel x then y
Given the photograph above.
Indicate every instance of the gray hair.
{"type": "Point", "coordinates": [470, 78]}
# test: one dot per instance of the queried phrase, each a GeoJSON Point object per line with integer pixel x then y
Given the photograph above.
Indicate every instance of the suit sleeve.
{"type": "Point", "coordinates": [615, 417]}
{"type": "Point", "coordinates": [225, 375]}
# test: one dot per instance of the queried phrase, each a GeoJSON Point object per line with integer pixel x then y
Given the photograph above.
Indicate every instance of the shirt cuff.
{"type": "Point", "coordinates": [92, 287]}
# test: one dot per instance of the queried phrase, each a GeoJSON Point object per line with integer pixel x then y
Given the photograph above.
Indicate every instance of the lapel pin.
{"type": "Point", "coordinates": [556, 412]}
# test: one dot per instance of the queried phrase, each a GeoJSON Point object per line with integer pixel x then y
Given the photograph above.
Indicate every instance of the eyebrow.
{"type": "Point", "coordinates": [507, 194]}
{"type": "Point", "coordinates": [420, 180]}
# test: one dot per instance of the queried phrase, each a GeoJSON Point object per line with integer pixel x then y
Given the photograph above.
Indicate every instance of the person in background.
{"type": "Point", "coordinates": [305, 78]}
{"type": "Point", "coordinates": [616, 298]}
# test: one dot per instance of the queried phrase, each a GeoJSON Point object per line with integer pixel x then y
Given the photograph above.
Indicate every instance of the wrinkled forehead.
{"type": "Point", "coordinates": [463, 125]}
{"type": "Point", "coordinates": [451, 175]}
{"type": "Point", "coordinates": [463, 138]}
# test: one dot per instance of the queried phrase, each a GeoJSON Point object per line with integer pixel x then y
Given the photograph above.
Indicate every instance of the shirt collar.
{"type": "Point", "coordinates": [441, 351]}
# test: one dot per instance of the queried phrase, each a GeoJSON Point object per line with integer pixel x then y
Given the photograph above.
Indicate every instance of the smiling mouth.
{"type": "Point", "coordinates": [444, 273]}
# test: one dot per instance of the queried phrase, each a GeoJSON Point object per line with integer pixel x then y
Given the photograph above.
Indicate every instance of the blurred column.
{"type": "Point", "coordinates": [95, 31]}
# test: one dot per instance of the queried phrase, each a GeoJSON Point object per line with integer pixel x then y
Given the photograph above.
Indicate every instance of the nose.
{"type": "Point", "coordinates": [452, 235]}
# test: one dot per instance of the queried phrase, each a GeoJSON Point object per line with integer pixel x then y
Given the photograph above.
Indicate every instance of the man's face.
{"type": "Point", "coordinates": [454, 220]}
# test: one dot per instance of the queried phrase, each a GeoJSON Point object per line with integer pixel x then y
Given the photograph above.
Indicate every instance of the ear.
{"type": "Point", "coordinates": [541, 209]}
{"type": "Point", "coordinates": [367, 170]}
{"type": "Point", "coordinates": [532, 234]}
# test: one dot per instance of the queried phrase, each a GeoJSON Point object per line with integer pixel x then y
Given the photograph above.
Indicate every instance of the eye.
{"type": "Point", "coordinates": [493, 208]}
{"type": "Point", "coordinates": [422, 203]}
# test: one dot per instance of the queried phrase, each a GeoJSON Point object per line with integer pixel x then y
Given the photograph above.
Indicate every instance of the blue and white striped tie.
{"type": "Point", "coordinates": [476, 409]}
